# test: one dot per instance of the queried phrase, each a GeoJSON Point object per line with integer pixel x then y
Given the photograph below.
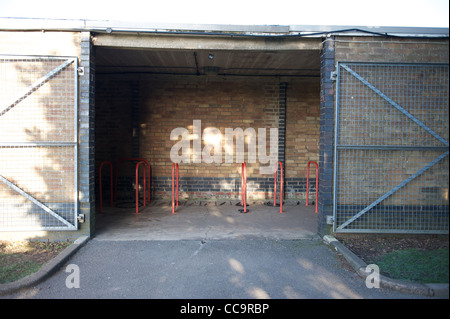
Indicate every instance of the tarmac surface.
{"type": "Point", "coordinates": [207, 251]}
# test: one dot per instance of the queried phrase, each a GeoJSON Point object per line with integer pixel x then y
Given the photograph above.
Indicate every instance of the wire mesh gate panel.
{"type": "Point", "coordinates": [38, 143]}
{"type": "Point", "coordinates": [391, 148]}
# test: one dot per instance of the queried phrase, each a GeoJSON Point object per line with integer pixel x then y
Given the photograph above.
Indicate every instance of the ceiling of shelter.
{"type": "Point", "coordinates": [214, 62]}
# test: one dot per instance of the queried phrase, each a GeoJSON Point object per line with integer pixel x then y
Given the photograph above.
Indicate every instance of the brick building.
{"type": "Point", "coordinates": [369, 105]}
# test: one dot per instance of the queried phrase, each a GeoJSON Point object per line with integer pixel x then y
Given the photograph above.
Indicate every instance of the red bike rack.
{"type": "Point", "coordinates": [317, 183]}
{"type": "Point", "coordinates": [281, 187]}
{"type": "Point", "coordinates": [244, 188]}
{"type": "Point", "coordinates": [138, 160]}
{"type": "Point", "coordinates": [100, 184]}
{"type": "Point", "coordinates": [174, 167]}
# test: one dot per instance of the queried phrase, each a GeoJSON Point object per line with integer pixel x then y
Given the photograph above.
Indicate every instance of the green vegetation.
{"type": "Point", "coordinates": [415, 265]}
{"type": "Point", "coordinates": [13, 268]}
{"type": "Point", "coordinates": [19, 259]}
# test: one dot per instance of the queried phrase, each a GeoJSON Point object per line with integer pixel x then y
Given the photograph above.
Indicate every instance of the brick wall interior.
{"type": "Point", "coordinates": [134, 118]}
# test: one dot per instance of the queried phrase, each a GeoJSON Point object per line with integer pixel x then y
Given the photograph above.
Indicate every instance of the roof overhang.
{"type": "Point", "coordinates": [106, 26]}
{"type": "Point", "coordinates": [196, 49]}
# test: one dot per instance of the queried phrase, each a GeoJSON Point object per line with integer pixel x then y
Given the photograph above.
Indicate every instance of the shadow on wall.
{"type": "Point", "coordinates": [39, 131]}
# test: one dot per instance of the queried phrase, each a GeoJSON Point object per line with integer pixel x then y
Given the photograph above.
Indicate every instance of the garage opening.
{"type": "Point", "coordinates": [143, 94]}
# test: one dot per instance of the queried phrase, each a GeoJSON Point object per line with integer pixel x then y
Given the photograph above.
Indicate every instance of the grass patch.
{"type": "Point", "coordinates": [19, 259]}
{"type": "Point", "coordinates": [415, 265]}
{"type": "Point", "coordinates": [13, 267]}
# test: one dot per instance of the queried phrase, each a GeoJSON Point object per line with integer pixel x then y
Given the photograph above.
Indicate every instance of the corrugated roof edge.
{"type": "Point", "coordinates": [39, 24]}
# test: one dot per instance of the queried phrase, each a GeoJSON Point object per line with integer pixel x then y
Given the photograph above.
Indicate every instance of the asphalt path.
{"type": "Point", "coordinates": [205, 270]}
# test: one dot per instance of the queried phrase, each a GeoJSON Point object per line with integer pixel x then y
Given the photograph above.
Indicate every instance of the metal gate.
{"type": "Point", "coordinates": [391, 148]}
{"type": "Point", "coordinates": [38, 143]}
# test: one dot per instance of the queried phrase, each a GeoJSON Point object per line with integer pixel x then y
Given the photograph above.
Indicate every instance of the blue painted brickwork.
{"type": "Point", "coordinates": [212, 184]}
{"type": "Point", "coordinates": [86, 119]}
{"type": "Point", "coordinates": [326, 142]}
{"type": "Point", "coordinates": [282, 122]}
{"type": "Point", "coordinates": [215, 187]}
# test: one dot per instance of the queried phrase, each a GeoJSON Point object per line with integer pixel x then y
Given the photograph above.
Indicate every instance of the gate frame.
{"type": "Point", "coordinates": [66, 61]}
{"type": "Point", "coordinates": [337, 147]}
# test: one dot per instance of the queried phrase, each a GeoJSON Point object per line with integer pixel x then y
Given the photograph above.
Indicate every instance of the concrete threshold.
{"type": "Point", "coordinates": [203, 220]}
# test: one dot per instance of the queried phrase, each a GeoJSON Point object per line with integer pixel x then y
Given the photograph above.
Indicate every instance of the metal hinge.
{"type": "Point", "coordinates": [333, 76]}
{"type": "Point", "coordinates": [330, 220]}
{"type": "Point", "coordinates": [81, 218]}
{"type": "Point", "coordinates": [80, 70]}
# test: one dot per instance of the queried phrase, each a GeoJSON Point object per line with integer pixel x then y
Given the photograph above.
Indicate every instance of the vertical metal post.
{"type": "Point", "coordinates": [275, 180]}
{"type": "Point", "coordinates": [244, 188]}
{"type": "Point", "coordinates": [336, 142]}
{"type": "Point", "coordinates": [75, 140]}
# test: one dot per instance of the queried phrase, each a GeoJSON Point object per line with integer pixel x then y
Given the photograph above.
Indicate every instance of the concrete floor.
{"type": "Point", "coordinates": [206, 221]}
